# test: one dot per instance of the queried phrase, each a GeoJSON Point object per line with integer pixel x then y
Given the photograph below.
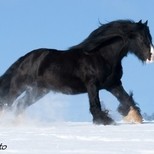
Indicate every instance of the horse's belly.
{"type": "Point", "coordinates": [68, 86]}
{"type": "Point", "coordinates": [73, 87]}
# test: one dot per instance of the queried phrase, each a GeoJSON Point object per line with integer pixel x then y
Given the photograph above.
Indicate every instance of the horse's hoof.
{"type": "Point", "coordinates": [133, 117]}
{"type": "Point", "coordinates": [104, 121]}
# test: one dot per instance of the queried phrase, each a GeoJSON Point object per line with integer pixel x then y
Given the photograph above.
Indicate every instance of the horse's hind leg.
{"type": "Point", "coordinates": [127, 105]}
{"type": "Point", "coordinates": [32, 95]}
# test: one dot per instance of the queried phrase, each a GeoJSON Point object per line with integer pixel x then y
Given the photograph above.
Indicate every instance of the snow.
{"type": "Point", "coordinates": [44, 129]}
{"type": "Point", "coordinates": [33, 137]}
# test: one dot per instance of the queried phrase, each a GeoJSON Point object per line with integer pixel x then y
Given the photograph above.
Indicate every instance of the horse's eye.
{"type": "Point", "coordinates": [141, 38]}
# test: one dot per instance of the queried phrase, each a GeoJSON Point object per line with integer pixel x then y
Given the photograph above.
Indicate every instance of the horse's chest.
{"type": "Point", "coordinates": [113, 77]}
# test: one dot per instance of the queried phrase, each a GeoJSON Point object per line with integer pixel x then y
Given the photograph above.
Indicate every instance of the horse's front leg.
{"type": "Point", "coordinates": [99, 116]}
{"type": "Point", "coordinates": [127, 105]}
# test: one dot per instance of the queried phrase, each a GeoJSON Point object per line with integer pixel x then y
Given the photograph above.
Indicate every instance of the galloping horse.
{"type": "Point", "coordinates": [88, 67]}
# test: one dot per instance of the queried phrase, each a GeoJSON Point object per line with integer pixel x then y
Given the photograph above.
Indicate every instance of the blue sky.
{"type": "Point", "coordinates": [30, 24]}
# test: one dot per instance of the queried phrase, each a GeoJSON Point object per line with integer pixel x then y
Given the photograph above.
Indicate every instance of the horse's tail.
{"type": "Point", "coordinates": [8, 76]}
{"type": "Point", "coordinates": [4, 90]}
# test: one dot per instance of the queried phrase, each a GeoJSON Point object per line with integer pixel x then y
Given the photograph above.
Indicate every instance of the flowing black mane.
{"type": "Point", "coordinates": [104, 33]}
{"type": "Point", "coordinates": [88, 67]}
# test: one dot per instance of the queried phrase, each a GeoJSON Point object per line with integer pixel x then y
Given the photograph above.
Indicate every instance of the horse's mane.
{"type": "Point", "coordinates": [103, 34]}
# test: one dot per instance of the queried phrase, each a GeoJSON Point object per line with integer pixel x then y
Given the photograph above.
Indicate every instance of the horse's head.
{"type": "Point", "coordinates": [135, 36]}
{"type": "Point", "coordinates": [141, 42]}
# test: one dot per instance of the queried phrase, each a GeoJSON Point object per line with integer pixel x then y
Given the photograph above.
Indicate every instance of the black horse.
{"type": "Point", "coordinates": [88, 67]}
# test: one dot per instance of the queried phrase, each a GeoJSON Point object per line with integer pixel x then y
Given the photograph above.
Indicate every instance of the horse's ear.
{"type": "Point", "coordinates": [140, 22]}
{"type": "Point", "coordinates": [146, 23]}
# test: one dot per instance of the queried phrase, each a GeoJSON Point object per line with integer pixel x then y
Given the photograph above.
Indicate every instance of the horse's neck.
{"type": "Point", "coordinates": [114, 54]}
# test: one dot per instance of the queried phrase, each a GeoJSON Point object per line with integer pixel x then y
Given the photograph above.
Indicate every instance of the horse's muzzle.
{"type": "Point", "coordinates": [151, 59]}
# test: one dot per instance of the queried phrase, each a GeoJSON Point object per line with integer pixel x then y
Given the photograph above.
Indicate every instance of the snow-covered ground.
{"type": "Point", "coordinates": [31, 137]}
{"type": "Point", "coordinates": [44, 130]}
